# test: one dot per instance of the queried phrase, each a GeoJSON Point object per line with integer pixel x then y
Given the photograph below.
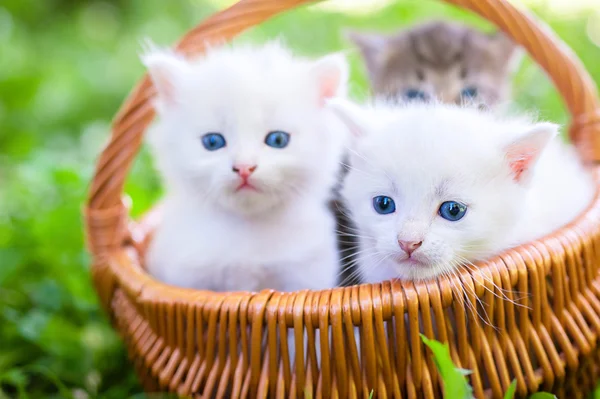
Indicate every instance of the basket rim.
{"type": "Point", "coordinates": [136, 280]}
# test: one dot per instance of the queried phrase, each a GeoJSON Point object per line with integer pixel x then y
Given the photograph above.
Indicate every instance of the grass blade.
{"type": "Point", "coordinates": [510, 393]}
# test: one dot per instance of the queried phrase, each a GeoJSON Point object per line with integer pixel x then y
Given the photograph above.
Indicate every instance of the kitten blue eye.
{"type": "Point", "coordinates": [213, 141]}
{"type": "Point", "coordinates": [384, 205]}
{"type": "Point", "coordinates": [452, 210]}
{"type": "Point", "coordinates": [414, 94]}
{"type": "Point", "coordinates": [469, 92]}
{"type": "Point", "coordinates": [277, 139]}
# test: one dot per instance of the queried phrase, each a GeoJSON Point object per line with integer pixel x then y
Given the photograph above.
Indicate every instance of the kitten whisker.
{"type": "Point", "coordinates": [351, 228]}
{"type": "Point", "coordinates": [362, 252]}
{"type": "Point", "coordinates": [363, 258]}
{"type": "Point", "coordinates": [504, 293]}
{"type": "Point", "coordinates": [370, 266]}
{"type": "Point", "coordinates": [459, 293]}
{"type": "Point", "coordinates": [459, 290]}
{"type": "Point", "coordinates": [353, 247]}
{"type": "Point", "coordinates": [474, 310]}
{"type": "Point", "coordinates": [356, 253]}
{"type": "Point", "coordinates": [344, 234]}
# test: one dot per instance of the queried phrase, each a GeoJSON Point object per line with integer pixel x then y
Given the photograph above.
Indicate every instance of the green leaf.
{"type": "Point", "coordinates": [510, 393]}
{"type": "Point", "coordinates": [542, 395]}
{"type": "Point", "coordinates": [455, 383]}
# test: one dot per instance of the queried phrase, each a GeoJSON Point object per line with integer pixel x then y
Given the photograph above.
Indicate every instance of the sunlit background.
{"type": "Point", "coordinates": [65, 67]}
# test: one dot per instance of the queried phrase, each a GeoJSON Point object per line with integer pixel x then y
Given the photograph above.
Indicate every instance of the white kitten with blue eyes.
{"type": "Point", "coordinates": [434, 187]}
{"type": "Point", "coordinates": [249, 153]}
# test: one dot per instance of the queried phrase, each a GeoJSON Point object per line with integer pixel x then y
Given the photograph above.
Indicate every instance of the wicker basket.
{"type": "Point", "coordinates": [226, 345]}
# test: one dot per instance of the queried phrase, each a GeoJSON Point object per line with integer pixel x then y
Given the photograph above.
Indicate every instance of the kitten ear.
{"type": "Point", "coordinates": [166, 69]}
{"type": "Point", "coordinates": [350, 114]}
{"type": "Point", "coordinates": [371, 46]}
{"type": "Point", "coordinates": [508, 52]}
{"type": "Point", "coordinates": [523, 153]}
{"type": "Point", "coordinates": [331, 75]}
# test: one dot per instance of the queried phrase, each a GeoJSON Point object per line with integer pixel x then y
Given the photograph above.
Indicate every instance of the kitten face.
{"type": "Point", "coordinates": [442, 60]}
{"type": "Point", "coordinates": [247, 129]}
{"type": "Point", "coordinates": [451, 195]}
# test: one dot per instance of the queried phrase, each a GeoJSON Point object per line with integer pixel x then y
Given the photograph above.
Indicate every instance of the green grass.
{"type": "Point", "coordinates": [65, 66]}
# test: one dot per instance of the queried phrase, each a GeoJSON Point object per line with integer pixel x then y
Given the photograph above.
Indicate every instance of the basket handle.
{"type": "Point", "coordinates": [107, 216]}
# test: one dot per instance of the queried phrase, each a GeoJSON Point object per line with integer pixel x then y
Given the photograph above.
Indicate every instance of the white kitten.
{"type": "Point", "coordinates": [435, 187]}
{"type": "Point", "coordinates": [249, 154]}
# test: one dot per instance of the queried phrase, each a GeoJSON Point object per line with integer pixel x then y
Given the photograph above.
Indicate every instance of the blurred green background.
{"type": "Point", "coordinates": [65, 67]}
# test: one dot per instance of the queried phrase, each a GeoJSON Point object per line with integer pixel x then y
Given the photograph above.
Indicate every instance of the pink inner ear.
{"type": "Point", "coordinates": [164, 86]}
{"type": "Point", "coordinates": [520, 163]}
{"type": "Point", "coordinates": [328, 89]}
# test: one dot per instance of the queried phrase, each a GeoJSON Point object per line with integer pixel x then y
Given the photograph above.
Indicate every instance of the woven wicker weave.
{"type": "Point", "coordinates": [225, 345]}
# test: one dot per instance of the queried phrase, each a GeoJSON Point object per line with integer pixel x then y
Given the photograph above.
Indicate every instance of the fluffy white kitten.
{"type": "Point", "coordinates": [249, 154]}
{"type": "Point", "coordinates": [435, 187]}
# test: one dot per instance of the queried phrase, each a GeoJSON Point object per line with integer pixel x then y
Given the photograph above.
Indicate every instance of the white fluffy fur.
{"type": "Point", "coordinates": [423, 155]}
{"type": "Point", "coordinates": [281, 236]}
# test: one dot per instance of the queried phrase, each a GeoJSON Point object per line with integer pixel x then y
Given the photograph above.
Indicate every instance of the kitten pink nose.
{"type": "Point", "coordinates": [409, 246]}
{"type": "Point", "coordinates": [244, 170]}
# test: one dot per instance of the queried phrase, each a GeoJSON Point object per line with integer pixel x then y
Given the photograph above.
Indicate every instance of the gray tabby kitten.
{"type": "Point", "coordinates": [440, 59]}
